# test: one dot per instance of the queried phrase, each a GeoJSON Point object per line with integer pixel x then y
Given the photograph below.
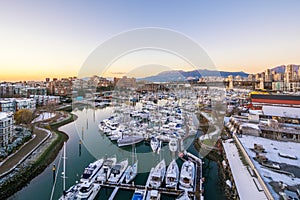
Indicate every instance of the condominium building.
{"type": "Point", "coordinates": [6, 128]}
{"type": "Point", "coordinates": [15, 104]}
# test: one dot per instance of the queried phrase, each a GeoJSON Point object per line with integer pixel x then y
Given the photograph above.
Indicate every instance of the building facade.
{"type": "Point", "coordinates": [15, 104]}
{"type": "Point", "coordinates": [6, 128]}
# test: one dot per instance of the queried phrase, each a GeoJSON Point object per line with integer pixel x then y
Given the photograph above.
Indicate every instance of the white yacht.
{"type": "Point", "coordinates": [112, 125]}
{"type": "Point", "coordinates": [153, 195]}
{"type": "Point", "coordinates": [71, 193]}
{"type": "Point", "coordinates": [101, 126]}
{"type": "Point", "coordinates": [89, 173]}
{"type": "Point", "coordinates": [172, 175]}
{"type": "Point", "coordinates": [117, 171]}
{"type": "Point", "coordinates": [107, 130]}
{"type": "Point", "coordinates": [173, 145]}
{"type": "Point", "coordinates": [106, 169]}
{"type": "Point", "coordinates": [129, 140]}
{"type": "Point", "coordinates": [158, 174]}
{"type": "Point", "coordinates": [154, 143]}
{"type": "Point", "coordinates": [187, 175]}
{"type": "Point", "coordinates": [116, 134]}
{"type": "Point", "coordinates": [131, 172]}
{"type": "Point", "coordinates": [88, 190]}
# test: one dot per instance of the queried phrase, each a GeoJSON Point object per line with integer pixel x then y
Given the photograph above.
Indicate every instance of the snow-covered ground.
{"type": "Point", "coordinates": [272, 148]}
{"type": "Point", "coordinates": [44, 116]}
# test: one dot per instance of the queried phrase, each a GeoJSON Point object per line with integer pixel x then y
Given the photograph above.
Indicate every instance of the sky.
{"type": "Point", "coordinates": [41, 39]}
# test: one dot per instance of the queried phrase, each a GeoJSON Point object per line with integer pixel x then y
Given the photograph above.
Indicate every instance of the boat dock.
{"type": "Point", "coordinates": [198, 179]}
{"type": "Point", "coordinates": [112, 196]}
{"type": "Point", "coordinates": [196, 194]}
{"type": "Point", "coordinates": [143, 187]}
{"type": "Point", "coordinates": [133, 187]}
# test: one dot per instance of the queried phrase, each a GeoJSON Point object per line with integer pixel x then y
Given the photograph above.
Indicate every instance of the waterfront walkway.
{"type": "Point", "coordinates": [12, 161]}
{"type": "Point", "coordinates": [247, 186]}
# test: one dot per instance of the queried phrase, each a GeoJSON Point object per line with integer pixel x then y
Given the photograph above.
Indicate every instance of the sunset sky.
{"type": "Point", "coordinates": [41, 39]}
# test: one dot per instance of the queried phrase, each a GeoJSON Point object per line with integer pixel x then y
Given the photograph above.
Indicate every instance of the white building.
{"type": "Point", "coordinates": [13, 105]}
{"type": "Point", "coordinates": [29, 104]}
{"type": "Point", "coordinates": [6, 128]}
{"type": "Point", "coordinates": [6, 105]}
{"type": "Point", "coordinates": [45, 100]}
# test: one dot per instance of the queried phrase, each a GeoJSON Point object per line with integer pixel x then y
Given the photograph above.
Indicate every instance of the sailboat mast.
{"type": "Point", "coordinates": [64, 168]}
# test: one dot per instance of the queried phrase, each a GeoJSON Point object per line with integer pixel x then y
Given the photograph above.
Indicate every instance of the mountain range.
{"type": "Point", "coordinates": [281, 68]}
{"type": "Point", "coordinates": [180, 75]}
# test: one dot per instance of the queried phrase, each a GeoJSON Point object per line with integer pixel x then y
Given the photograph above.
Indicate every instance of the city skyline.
{"type": "Point", "coordinates": [43, 39]}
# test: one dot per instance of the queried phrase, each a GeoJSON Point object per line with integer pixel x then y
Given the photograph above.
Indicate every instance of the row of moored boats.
{"type": "Point", "coordinates": [111, 171]}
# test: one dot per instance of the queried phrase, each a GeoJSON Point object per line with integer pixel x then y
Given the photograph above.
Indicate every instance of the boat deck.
{"type": "Point", "coordinates": [112, 196]}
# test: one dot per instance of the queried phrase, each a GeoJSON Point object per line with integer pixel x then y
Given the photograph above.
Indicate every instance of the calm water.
{"type": "Point", "coordinates": [97, 145]}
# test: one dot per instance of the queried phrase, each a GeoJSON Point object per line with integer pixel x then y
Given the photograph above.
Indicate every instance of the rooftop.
{"type": "Point", "coordinates": [3, 115]}
{"type": "Point", "coordinates": [245, 183]}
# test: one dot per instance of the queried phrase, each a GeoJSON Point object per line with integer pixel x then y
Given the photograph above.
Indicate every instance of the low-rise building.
{"type": "Point", "coordinates": [43, 100]}
{"type": "Point", "coordinates": [15, 104]}
{"type": "Point", "coordinates": [6, 128]}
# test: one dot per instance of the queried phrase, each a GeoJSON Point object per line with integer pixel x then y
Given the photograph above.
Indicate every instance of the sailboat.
{"type": "Point", "coordinates": [158, 174]}
{"type": "Point", "coordinates": [155, 144]}
{"type": "Point", "coordinates": [117, 171]}
{"type": "Point", "coordinates": [86, 189]}
{"type": "Point", "coordinates": [187, 175]}
{"type": "Point", "coordinates": [132, 170]}
{"type": "Point", "coordinates": [172, 175]}
{"type": "Point", "coordinates": [104, 172]}
{"type": "Point", "coordinates": [173, 145]}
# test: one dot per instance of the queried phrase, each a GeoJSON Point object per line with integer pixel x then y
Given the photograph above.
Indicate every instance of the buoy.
{"type": "Point", "coordinates": [53, 172]}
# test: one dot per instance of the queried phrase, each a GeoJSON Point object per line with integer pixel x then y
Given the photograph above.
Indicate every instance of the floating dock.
{"type": "Point", "coordinates": [112, 196]}
{"type": "Point", "coordinates": [196, 194]}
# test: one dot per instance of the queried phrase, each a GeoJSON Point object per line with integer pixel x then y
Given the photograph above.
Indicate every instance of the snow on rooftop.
{"type": "Point", "coordinates": [244, 181]}
{"type": "Point", "coordinates": [254, 126]}
{"type": "Point", "coordinates": [272, 148]}
{"type": "Point", "coordinates": [281, 111]}
{"type": "Point", "coordinates": [255, 112]}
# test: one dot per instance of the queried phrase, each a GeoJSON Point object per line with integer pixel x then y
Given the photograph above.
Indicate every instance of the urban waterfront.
{"type": "Point", "coordinates": [96, 145]}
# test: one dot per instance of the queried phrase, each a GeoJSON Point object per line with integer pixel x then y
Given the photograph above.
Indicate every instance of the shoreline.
{"type": "Point", "coordinates": [211, 153]}
{"type": "Point", "coordinates": [23, 178]}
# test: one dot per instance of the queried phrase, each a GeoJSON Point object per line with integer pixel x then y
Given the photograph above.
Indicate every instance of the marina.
{"type": "Point", "coordinates": [128, 126]}
{"type": "Point", "coordinates": [144, 155]}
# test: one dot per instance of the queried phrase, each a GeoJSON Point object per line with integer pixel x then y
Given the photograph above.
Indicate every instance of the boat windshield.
{"type": "Point", "coordinates": [155, 178]}
{"type": "Point", "coordinates": [186, 180]}
{"type": "Point", "coordinates": [87, 173]}
{"type": "Point", "coordinates": [85, 189]}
